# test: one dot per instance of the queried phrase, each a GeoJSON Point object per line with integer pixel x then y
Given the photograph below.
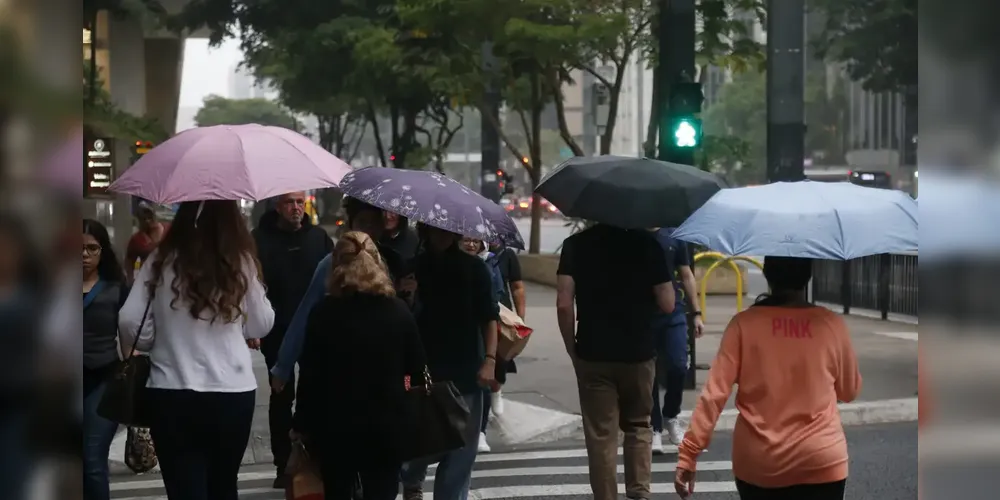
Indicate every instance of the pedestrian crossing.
{"type": "Point", "coordinates": [559, 472]}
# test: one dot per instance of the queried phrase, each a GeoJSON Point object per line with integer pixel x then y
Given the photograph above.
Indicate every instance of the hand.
{"type": "Point", "coordinates": [684, 483]}
{"type": "Point", "coordinates": [253, 344]}
{"type": "Point", "coordinates": [408, 287]}
{"type": "Point", "coordinates": [487, 374]}
{"type": "Point", "coordinates": [277, 385]}
{"type": "Point", "coordinates": [699, 327]}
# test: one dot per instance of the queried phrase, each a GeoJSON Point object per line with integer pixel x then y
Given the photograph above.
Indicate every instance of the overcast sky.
{"type": "Point", "coordinates": [206, 71]}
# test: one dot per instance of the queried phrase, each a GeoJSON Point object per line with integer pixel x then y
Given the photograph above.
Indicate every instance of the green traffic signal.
{"type": "Point", "coordinates": [686, 133]}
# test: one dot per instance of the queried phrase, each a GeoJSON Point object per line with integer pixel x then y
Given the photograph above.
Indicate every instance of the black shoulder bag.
{"type": "Point", "coordinates": [124, 396]}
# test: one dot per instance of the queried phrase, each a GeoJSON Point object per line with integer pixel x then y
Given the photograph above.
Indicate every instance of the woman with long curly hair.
{"type": "Point", "coordinates": [204, 296]}
{"type": "Point", "coordinates": [361, 344]}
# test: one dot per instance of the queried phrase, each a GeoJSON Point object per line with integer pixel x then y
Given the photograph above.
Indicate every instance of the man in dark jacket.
{"type": "Point", "coordinates": [289, 248]}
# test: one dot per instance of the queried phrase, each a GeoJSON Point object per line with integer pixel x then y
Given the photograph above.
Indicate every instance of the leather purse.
{"type": "Point", "coordinates": [124, 396]}
{"type": "Point", "coordinates": [435, 422]}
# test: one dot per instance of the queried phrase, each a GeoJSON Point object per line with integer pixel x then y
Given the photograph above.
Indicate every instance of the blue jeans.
{"type": "Point", "coordinates": [454, 472]}
{"type": "Point", "coordinates": [98, 433]}
{"type": "Point", "coordinates": [671, 370]}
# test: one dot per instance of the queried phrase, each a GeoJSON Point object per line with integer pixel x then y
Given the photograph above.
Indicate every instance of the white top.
{"type": "Point", "coordinates": [190, 353]}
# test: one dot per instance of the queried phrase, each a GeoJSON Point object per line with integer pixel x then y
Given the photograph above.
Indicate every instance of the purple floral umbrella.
{"type": "Point", "coordinates": [435, 200]}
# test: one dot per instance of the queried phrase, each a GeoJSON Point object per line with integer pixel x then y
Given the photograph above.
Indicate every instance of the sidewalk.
{"type": "Point", "coordinates": [887, 354]}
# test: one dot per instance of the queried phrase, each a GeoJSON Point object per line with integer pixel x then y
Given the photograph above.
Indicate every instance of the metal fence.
{"type": "Point", "coordinates": [887, 283]}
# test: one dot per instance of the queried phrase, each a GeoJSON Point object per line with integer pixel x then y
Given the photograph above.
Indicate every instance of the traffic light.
{"type": "Point", "coordinates": [681, 131]}
{"type": "Point", "coordinates": [685, 132]}
{"type": "Point", "coordinates": [503, 182]}
{"type": "Point", "coordinates": [685, 103]}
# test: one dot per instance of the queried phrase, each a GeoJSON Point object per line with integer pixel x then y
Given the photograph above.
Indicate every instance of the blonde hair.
{"type": "Point", "coordinates": [358, 268]}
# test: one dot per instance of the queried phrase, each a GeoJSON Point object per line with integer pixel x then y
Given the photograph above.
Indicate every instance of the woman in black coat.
{"type": "Point", "coordinates": [361, 350]}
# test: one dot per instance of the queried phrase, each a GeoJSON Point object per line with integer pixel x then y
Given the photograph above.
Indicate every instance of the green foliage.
{"type": "Point", "coordinates": [875, 39]}
{"type": "Point", "coordinates": [736, 130]}
{"type": "Point", "coordinates": [103, 117]}
{"type": "Point", "coordinates": [217, 110]}
{"type": "Point", "coordinates": [341, 57]}
{"type": "Point", "coordinates": [726, 40]}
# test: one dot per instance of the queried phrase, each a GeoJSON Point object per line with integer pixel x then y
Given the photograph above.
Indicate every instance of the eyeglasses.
{"type": "Point", "coordinates": [91, 249]}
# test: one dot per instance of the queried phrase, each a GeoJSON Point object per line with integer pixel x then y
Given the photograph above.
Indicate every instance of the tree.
{"type": "Point", "coordinates": [217, 110]}
{"type": "Point", "coordinates": [735, 129]}
{"type": "Point", "coordinates": [316, 52]}
{"type": "Point", "coordinates": [736, 134]}
{"type": "Point", "coordinates": [529, 39]}
{"type": "Point", "coordinates": [876, 40]}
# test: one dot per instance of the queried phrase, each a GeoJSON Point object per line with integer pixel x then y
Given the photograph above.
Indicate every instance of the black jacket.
{"type": "Point", "coordinates": [289, 260]}
{"type": "Point", "coordinates": [350, 399]}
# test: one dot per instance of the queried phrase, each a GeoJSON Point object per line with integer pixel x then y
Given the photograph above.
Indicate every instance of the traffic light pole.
{"type": "Point", "coordinates": [786, 127]}
{"type": "Point", "coordinates": [676, 63]}
{"type": "Point", "coordinates": [489, 137]}
{"type": "Point", "coordinates": [676, 25]}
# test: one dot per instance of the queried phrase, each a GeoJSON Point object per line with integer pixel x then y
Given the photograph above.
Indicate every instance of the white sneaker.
{"type": "Point", "coordinates": [657, 443]}
{"type": "Point", "coordinates": [484, 447]}
{"type": "Point", "coordinates": [674, 431]}
{"type": "Point", "coordinates": [496, 403]}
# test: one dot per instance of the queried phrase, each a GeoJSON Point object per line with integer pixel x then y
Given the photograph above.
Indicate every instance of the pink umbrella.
{"type": "Point", "coordinates": [231, 162]}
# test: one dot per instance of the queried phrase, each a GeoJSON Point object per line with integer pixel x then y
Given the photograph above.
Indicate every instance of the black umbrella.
{"type": "Point", "coordinates": [628, 192]}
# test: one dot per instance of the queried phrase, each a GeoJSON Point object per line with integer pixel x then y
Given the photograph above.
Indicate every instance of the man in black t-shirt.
{"type": "Point", "coordinates": [611, 282]}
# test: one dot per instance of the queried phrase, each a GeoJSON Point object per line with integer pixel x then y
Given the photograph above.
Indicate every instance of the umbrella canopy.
{"type": "Point", "coordinates": [435, 200]}
{"type": "Point", "coordinates": [806, 219]}
{"type": "Point", "coordinates": [231, 162]}
{"type": "Point", "coordinates": [628, 192]}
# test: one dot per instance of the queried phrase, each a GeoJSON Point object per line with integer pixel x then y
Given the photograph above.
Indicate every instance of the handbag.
{"type": "Point", "coordinates": [304, 481]}
{"type": "Point", "coordinates": [435, 420]}
{"type": "Point", "coordinates": [140, 454]}
{"type": "Point", "coordinates": [124, 396]}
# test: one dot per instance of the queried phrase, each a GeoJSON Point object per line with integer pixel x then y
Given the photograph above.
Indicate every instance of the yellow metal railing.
{"type": "Point", "coordinates": [721, 259]}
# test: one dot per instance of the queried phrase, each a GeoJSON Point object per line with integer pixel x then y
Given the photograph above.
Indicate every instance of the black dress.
{"type": "Point", "coordinates": [358, 350]}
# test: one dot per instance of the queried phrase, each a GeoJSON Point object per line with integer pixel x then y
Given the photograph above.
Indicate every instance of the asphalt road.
{"type": "Point", "coordinates": [883, 467]}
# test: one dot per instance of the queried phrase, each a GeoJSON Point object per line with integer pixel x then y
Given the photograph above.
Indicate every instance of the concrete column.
{"type": "Point", "coordinates": [164, 64]}
{"type": "Point", "coordinates": [127, 82]}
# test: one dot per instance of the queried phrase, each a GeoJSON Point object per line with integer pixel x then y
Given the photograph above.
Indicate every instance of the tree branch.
{"type": "Point", "coordinates": [557, 97]}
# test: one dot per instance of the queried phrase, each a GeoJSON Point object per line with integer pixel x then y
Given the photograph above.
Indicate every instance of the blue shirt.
{"type": "Point", "coordinates": [676, 253]}
{"type": "Point", "coordinates": [291, 346]}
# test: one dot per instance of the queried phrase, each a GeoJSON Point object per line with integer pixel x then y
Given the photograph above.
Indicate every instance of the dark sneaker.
{"type": "Point", "coordinates": [413, 494]}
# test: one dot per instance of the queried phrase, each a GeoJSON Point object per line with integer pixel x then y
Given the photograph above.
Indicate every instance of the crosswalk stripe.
{"type": "Point", "coordinates": [491, 468]}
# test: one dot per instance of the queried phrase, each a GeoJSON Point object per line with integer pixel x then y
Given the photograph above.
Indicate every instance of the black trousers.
{"type": "Point", "coordinates": [200, 438]}
{"type": "Point", "coordinates": [279, 410]}
{"type": "Point", "coordinates": [824, 491]}
{"type": "Point", "coordinates": [379, 478]}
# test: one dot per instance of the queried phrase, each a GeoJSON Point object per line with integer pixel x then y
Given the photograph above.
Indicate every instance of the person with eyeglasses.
{"type": "Point", "coordinates": [104, 292]}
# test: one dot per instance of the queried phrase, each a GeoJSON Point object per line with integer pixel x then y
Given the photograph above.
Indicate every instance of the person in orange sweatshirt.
{"type": "Point", "coordinates": [793, 362]}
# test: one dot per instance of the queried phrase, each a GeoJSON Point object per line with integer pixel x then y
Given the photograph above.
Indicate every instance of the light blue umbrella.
{"type": "Point", "coordinates": [817, 220]}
